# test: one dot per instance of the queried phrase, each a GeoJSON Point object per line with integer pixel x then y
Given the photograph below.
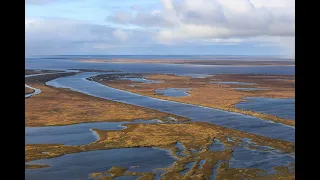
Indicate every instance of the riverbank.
{"type": "Point", "coordinates": [209, 91]}
{"type": "Point", "coordinates": [196, 140]}
{"type": "Point", "coordinates": [55, 106]}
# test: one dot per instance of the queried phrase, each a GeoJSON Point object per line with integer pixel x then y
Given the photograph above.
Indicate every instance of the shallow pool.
{"type": "Point", "coordinates": [173, 92]}
{"type": "Point", "coordinates": [80, 165]}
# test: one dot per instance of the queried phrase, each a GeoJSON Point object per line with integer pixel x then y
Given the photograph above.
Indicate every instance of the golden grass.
{"type": "Point", "coordinates": [220, 96]}
{"type": "Point", "coordinates": [36, 166]}
{"type": "Point", "coordinates": [72, 107]}
{"type": "Point", "coordinates": [192, 135]}
{"type": "Point", "coordinates": [119, 171]}
{"type": "Point", "coordinates": [44, 151]}
{"type": "Point", "coordinates": [198, 136]}
{"type": "Point", "coordinates": [224, 172]}
{"type": "Point", "coordinates": [62, 107]}
{"type": "Point", "coordinates": [31, 71]}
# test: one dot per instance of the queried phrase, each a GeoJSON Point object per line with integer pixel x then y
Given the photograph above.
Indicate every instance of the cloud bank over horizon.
{"type": "Point", "coordinates": [244, 27]}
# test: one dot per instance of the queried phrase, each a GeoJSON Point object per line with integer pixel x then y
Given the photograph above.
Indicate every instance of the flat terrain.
{"type": "Point", "coordinates": [195, 138]}
{"type": "Point", "coordinates": [200, 62]}
{"type": "Point", "coordinates": [206, 91]}
{"type": "Point", "coordinates": [55, 106]}
{"type": "Point", "coordinates": [62, 107]}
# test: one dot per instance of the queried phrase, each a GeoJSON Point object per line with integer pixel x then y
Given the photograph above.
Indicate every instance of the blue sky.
{"type": "Point", "coordinates": [165, 27]}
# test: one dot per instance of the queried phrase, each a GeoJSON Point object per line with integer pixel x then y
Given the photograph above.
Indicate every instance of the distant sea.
{"type": "Point", "coordinates": [180, 57]}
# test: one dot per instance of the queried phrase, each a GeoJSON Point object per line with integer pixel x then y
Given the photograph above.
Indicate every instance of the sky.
{"type": "Point", "coordinates": [160, 27]}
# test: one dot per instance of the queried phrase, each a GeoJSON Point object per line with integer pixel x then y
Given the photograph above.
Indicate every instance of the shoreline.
{"type": "Point", "coordinates": [192, 62]}
{"type": "Point", "coordinates": [203, 90]}
{"type": "Point", "coordinates": [64, 100]}
{"type": "Point", "coordinates": [192, 135]}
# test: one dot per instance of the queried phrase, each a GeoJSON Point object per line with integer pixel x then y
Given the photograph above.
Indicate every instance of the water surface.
{"type": "Point", "coordinates": [36, 91]}
{"type": "Point", "coordinates": [243, 157]}
{"type": "Point", "coordinates": [34, 63]}
{"type": "Point", "coordinates": [78, 134]}
{"type": "Point", "coordinates": [195, 113]}
{"type": "Point", "coordinates": [195, 75]}
{"type": "Point", "coordinates": [80, 165]}
{"type": "Point", "coordinates": [262, 157]}
{"type": "Point", "coordinates": [173, 92]}
{"type": "Point", "coordinates": [142, 80]}
{"type": "Point", "coordinates": [283, 108]}
{"type": "Point", "coordinates": [188, 167]}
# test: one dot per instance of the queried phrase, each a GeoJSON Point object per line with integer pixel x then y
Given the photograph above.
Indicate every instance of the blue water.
{"type": "Point", "coordinates": [185, 57]}
{"type": "Point", "coordinates": [173, 92]}
{"type": "Point", "coordinates": [38, 91]}
{"type": "Point", "coordinates": [142, 80]}
{"type": "Point", "coordinates": [264, 158]}
{"type": "Point", "coordinates": [188, 167]}
{"type": "Point", "coordinates": [216, 146]}
{"type": "Point", "coordinates": [75, 166]}
{"type": "Point", "coordinates": [195, 113]}
{"type": "Point", "coordinates": [180, 148]}
{"type": "Point", "coordinates": [245, 158]}
{"type": "Point", "coordinates": [126, 178]}
{"type": "Point", "coordinates": [195, 75]}
{"type": "Point", "coordinates": [80, 165]}
{"type": "Point", "coordinates": [201, 163]}
{"type": "Point", "coordinates": [215, 170]}
{"type": "Point", "coordinates": [55, 64]}
{"type": "Point", "coordinates": [284, 108]}
{"type": "Point", "coordinates": [77, 134]}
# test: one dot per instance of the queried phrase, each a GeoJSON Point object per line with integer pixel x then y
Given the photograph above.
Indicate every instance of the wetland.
{"type": "Point", "coordinates": [100, 123]}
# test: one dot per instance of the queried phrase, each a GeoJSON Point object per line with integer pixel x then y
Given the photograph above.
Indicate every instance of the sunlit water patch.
{"type": "Point", "coordinates": [141, 80]}
{"type": "Point", "coordinates": [80, 165]}
{"type": "Point", "coordinates": [195, 75]}
{"type": "Point", "coordinates": [283, 108]}
{"type": "Point", "coordinates": [173, 92]}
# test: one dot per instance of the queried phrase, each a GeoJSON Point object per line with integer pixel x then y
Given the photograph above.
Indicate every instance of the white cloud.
{"type": "Point", "coordinates": [176, 22]}
{"type": "Point", "coordinates": [203, 20]}
{"type": "Point", "coordinates": [121, 17]}
{"type": "Point", "coordinates": [121, 35]}
{"type": "Point", "coordinates": [226, 19]}
{"type": "Point", "coordinates": [168, 4]}
{"type": "Point", "coordinates": [60, 35]}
